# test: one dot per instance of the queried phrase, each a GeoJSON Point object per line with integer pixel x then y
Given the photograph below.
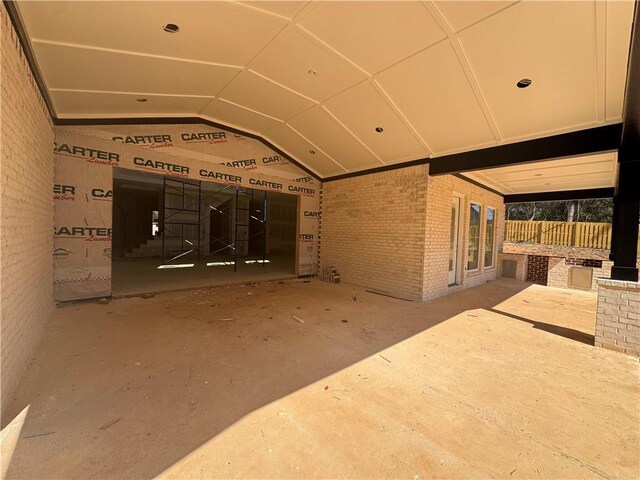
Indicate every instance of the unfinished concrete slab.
{"type": "Point", "coordinates": [500, 380]}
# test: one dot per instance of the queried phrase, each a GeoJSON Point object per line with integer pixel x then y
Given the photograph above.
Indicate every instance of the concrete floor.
{"type": "Point", "coordinates": [496, 381]}
{"type": "Point", "coordinates": [141, 275]}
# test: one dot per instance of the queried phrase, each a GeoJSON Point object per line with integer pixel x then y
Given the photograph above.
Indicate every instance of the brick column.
{"type": "Point", "coordinates": [618, 317]}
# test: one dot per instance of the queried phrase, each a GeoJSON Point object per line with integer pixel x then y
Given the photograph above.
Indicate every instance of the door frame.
{"type": "Point", "coordinates": [460, 242]}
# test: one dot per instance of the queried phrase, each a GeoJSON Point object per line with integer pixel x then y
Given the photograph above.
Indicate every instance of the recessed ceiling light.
{"type": "Point", "coordinates": [312, 72]}
{"type": "Point", "coordinates": [312, 152]}
{"type": "Point", "coordinates": [141, 100]}
{"type": "Point", "coordinates": [171, 28]}
{"type": "Point", "coordinates": [379, 129]}
{"type": "Point", "coordinates": [524, 83]}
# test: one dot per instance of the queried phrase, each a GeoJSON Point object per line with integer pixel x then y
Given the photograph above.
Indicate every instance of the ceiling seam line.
{"type": "Point", "coordinates": [438, 17]}
{"type": "Point", "coordinates": [394, 64]}
{"type": "Point", "coordinates": [300, 113]}
{"type": "Point", "coordinates": [265, 141]}
{"type": "Point", "coordinates": [351, 133]}
{"type": "Point", "coordinates": [221, 89]}
{"type": "Point", "coordinates": [122, 116]}
{"type": "Point", "coordinates": [463, 61]}
{"type": "Point", "coordinates": [115, 92]}
{"type": "Point", "coordinates": [475, 87]}
{"type": "Point", "coordinates": [464, 178]}
{"type": "Point", "coordinates": [517, 2]}
{"type": "Point", "coordinates": [315, 146]}
{"type": "Point", "coordinates": [246, 65]}
{"type": "Point", "coordinates": [478, 146]}
{"type": "Point", "coordinates": [289, 89]}
{"type": "Point", "coordinates": [81, 46]}
{"type": "Point", "coordinates": [484, 178]}
{"type": "Point", "coordinates": [200, 112]}
{"type": "Point", "coordinates": [332, 96]}
{"type": "Point", "coordinates": [315, 172]}
{"type": "Point", "coordinates": [244, 6]}
{"type": "Point", "coordinates": [387, 98]}
{"type": "Point", "coordinates": [308, 8]}
{"type": "Point", "coordinates": [600, 63]}
{"type": "Point", "coordinates": [250, 110]}
{"type": "Point", "coordinates": [321, 43]}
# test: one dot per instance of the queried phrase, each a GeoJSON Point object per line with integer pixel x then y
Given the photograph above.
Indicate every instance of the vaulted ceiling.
{"type": "Point", "coordinates": [318, 79]}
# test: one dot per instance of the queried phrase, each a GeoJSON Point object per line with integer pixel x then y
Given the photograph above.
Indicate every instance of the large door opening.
{"type": "Point", "coordinates": [171, 233]}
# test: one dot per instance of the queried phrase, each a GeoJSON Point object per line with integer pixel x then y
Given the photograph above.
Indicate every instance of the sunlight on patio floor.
{"type": "Point", "coordinates": [500, 380]}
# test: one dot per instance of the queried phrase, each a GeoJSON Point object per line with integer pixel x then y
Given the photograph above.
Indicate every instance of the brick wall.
{"type": "Point", "coordinates": [390, 231]}
{"type": "Point", "coordinates": [26, 212]}
{"type": "Point", "coordinates": [537, 269]}
{"type": "Point", "coordinates": [373, 230]}
{"type": "Point", "coordinates": [583, 262]}
{"type": "Point", "coordinates": [555, 271]}
{"type": "Point", "coordinates": [521, 265]}
{"type": "Point", "coordinates": [559, 268]}
{"type": "Point", "coordinates": [440, 194]}
{"type": "Point", "coordinates": [618, 317]}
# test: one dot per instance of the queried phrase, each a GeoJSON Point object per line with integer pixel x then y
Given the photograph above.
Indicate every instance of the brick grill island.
{"type": "Point", "coordinates": [618, 316]}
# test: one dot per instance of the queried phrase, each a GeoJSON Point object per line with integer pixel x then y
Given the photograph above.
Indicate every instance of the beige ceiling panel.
{"type": "Point", "coordinates": [374, 35]}
{"type": "Point", "coordinates": [577, 182]}
{"type": "Point", "coordinates": [602, 177]}
{"type": "Point", "coordinates": [84, 69]}
{"type": "Point", "coordinates": [209, 31]}
{"type": "Point", "coordinates": [301, 149]}
{"type": "Point", "coordinates": [553, 44]}
{"type": "Point", "coordinates": [577, 173]}
{"type": "Point", "coordinates": [432, 91]}
{"type": "Point", "coordinates": [619, 22]}
{"type": "Point", "coordinates": [252, 91]}
{"type": "Point", "coordinates": [321, 129]}
{"type": "Point", "coordinates": [478, 177]}
{"type": "Point", "coordinates": [284, 9]}
{"type": "Point", "coordinates": [239, 117]}
{"type": "Point", "coordinates": [73, 103]}
{"type": "Point", "coordinates": [461, 14]}
{"type": "Point", "coordinates": [362, 110]}
{"type": "Point", "coordinates": [577, 166]}
{"type": "Point", "coordinates": [574, 184]}
{"type": "Point", "coordinates": [291, 56]}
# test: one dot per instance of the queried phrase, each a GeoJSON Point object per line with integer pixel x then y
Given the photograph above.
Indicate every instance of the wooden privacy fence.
{"type": "Point", "coordinates": [572, 234]}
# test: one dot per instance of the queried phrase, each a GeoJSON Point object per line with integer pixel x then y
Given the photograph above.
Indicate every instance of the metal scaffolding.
{"type": "Point", "coordinates": [188, 225]}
